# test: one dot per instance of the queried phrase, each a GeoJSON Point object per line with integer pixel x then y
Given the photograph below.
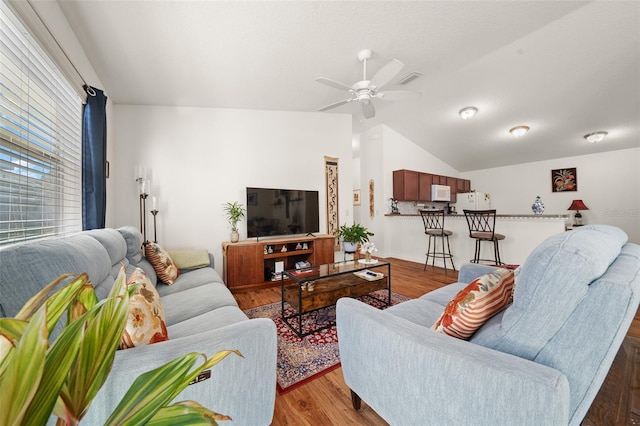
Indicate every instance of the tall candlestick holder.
{"type": "Point", "coordinates": [143, 217]}
{"type": "Point", "coordinates": [154, 212]}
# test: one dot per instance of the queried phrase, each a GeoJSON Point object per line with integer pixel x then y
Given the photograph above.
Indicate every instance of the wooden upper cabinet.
{"type": "Point", "coordinates": [424, 189]}
{"type": "Point", "coordinates": [453, 184]}
{"type": "Point", "coordinates": [405, 185]}
{"type": "Point", "coordinates": [464, 185]}
{"type": "Point", "coordinates": [409, 185]}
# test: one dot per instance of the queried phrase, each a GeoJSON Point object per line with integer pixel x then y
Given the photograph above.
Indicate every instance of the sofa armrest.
{"type": "Point", "coordinates": [471, 271]}
{"type": "Point", "coordinates": [242, 388]}
{"type": "Point", "coordinates": [412, 375]}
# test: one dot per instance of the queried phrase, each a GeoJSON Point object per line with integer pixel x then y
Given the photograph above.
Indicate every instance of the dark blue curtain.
{"type": "Point", "coordinates": [94, 159]}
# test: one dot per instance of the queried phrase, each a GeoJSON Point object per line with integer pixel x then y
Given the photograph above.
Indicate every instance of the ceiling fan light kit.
{"type": "Point", "coordinates": [365, 90]}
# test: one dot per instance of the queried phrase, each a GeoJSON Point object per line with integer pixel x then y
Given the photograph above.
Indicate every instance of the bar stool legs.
{"type": "Point", "coordinates": [433, 254]}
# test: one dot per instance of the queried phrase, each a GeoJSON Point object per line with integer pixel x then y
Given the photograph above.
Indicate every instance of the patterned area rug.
{"type": "Point", "coordinates": [301, 360]}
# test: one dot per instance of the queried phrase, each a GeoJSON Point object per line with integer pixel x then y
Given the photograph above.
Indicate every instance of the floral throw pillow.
{"type": "Point", "coordinates": [476, 303]}
{"type": "Point", "coordinates": [146, 320]}
{"type": "Point", "coordinates": [164, 266]}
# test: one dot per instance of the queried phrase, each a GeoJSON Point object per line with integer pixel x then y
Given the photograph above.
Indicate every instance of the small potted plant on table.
{"type": "Point", "coordinates": [353, 235]}
{"type": "Point", "coordinates": [235, 211]}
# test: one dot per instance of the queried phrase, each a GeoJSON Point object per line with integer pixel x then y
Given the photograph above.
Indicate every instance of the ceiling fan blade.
{"type": "Point", "coordinates": [398, 95]}
{"type": "Point", "coordinates": [333, 83]}
{"type": "Point", "coordinates": [335, 105]}
{"type": "Point", "coordinates": [386, 73]}
{"type": "Point", "coordinates": [368, 111]}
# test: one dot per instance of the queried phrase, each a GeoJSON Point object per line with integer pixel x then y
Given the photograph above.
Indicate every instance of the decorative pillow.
{"type": "Point", "coordinates": [163, 264]}
{"type": "Point", "coordinates": [476, 303]}
{"type": "Point", "coordinates": [190, 259]}
{"type": "Point", "coordinates": [146, 321]}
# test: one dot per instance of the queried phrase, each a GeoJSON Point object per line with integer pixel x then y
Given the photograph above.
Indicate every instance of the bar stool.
{"type": "Point", "coordinates": [482, 224]}
{"type": "Point", "coordinates": [433, 221]}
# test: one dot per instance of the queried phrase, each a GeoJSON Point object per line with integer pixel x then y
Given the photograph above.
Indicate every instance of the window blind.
{"type": "Point", "coordinates": [40, 140]}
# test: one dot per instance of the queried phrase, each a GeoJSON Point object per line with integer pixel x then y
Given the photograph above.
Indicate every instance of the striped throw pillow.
{"type": "Point", "coordinates": [476, 303]}
{"type": "Point", "coordinates": [164, 266]}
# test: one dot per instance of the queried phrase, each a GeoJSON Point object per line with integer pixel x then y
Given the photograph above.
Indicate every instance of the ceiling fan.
{"type": "Point", "coordinates": [365, 90]}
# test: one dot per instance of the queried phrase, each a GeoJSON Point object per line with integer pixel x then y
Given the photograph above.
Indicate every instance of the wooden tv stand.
{"type": "Point", "coordinates": [247, 267]}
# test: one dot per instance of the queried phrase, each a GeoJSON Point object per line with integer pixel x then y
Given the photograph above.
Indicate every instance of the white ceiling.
{"type": "Point", "coordinates": [564, 68]}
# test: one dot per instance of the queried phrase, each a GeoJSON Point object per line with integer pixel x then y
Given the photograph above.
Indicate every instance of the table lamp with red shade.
{"type": "Point", "coordinates": [577, 205]}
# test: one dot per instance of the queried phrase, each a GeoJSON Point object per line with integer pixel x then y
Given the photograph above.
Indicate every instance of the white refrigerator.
{"type": "Point", "coordinates": [473, 201]}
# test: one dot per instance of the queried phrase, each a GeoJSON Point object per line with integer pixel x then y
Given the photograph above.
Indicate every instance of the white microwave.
{"type": "Point", "coordinates": [440, 193]}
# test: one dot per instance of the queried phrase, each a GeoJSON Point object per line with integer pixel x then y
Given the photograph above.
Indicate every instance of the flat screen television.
{"type": "Point", "coordinates": [274, 212]}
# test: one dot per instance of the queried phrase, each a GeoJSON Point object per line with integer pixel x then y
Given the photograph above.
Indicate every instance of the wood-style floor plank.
{"type": "Point", "coordinates": [327, 400]}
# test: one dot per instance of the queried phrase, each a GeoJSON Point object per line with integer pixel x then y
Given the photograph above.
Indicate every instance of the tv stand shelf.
{"type": "Point", "coordinates": [247, 267]}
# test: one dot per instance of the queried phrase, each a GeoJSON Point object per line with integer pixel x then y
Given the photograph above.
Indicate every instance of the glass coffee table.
{"type": "Point", "coordinates": [319, 287]}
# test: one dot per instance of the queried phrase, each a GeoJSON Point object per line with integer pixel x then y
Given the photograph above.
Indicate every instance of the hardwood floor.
{"type": "Point", "coordinates": [327, 400]}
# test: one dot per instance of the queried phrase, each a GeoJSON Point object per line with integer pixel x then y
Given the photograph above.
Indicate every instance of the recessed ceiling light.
{"type": "Point", "coordinates": [468, 112]}
{"type": "Point", "coordinates": [519, 131]}
{"type": "Point", "coordinates": [595, 136]}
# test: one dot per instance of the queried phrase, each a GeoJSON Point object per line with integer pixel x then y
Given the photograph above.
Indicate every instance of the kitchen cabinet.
{"type": "Point", "coordinates": [410, 185]}
{"type": "Point", "coordinates": [424, 187]}
{"type": "Point", "coordinates": [405, 185]}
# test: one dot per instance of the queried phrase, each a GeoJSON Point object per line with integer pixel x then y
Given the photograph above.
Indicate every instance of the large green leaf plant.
{"type": "Point", "coordinates": [39, 378]}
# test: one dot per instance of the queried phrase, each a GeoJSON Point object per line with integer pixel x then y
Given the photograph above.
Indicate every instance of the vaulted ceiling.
{"type": "Point", "coordinates": [563, 68]}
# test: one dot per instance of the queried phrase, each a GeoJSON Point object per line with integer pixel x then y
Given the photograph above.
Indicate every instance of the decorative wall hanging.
{"type": "Point", "coordinates": [331, 177]}
{"type": "Point", "coordinates": [356, 197]}
{"type": "Point", "coordinates": [564, 180]}
{"type": "Point", "coordinates": [371, 207]}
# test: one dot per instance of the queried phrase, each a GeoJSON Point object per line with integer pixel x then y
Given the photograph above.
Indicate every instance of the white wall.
{"type": "Point", "coordinates": [200, 158]}
{"type": "Point", "coordinates": [608, 183]}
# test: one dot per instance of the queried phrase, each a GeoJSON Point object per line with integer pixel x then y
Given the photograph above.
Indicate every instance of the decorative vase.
{"type": "Point", "coordinates": [349, 247]}
{"type": "Point", "coordinates": [367, 257]}
{"type": "Point", "coordinates": [235, 236]}
{"type": "Point", "coordinates": [537, 206]}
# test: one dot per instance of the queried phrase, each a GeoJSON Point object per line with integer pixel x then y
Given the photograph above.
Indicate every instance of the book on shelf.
{"type": "Point", "coordinates": [369, 275]}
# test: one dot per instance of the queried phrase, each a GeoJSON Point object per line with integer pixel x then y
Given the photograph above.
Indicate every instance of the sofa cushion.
{"type": "Point", "coordinates": [552, 282]}
{"type": "Point", "coordinates": [217, 318]}
{"type": "Point", "coordinates": [146, 320]}
{"type": "Point", "coordinates": [196, 301]}
{"type": "Point", "coordinates": [26, 268]}
{"type": "Point", "coordinates": [419, 311]}
{"type": "Point", "coordinates": [472, 306]}
{"type": "Point", "coordinates": [164, 266]}
{"type": "Point", "coordinates": [133, 239]}
{"type": "Point", "coordinates": [192, 279]}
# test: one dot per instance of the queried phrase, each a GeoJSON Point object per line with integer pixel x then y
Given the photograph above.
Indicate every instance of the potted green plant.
{"type": "Point", "coordinates": [353, 235]}
{"type": "Point", "coordinates": [234, 211]}
{"type": "Point", "coordinates": [39, 378]}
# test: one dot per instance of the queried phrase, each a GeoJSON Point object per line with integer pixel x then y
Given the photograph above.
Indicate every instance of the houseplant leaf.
{"type": "Point", "coordinates": [158, 387]}
{"type": "Point", "coordinates": [58, 361]}
{"type": "Point", "coordinates": [22, 375]}
{"type": "Point", "coordinates": [104, 326]}
{"type": "Point", "coordinates": [186, 413]}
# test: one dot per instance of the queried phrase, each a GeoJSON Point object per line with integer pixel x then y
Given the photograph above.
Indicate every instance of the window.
{"type": "Point", "coordinates": [40, 140]}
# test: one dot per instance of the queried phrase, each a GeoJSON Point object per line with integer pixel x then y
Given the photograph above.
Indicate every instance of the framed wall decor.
{"type": "Point", "coordinates": [371, 206]}
{"type": "Point", "coordinates": [331, 181]}
{"type": "Point", "coordinates": [356, 197]}
{"type": "Point", "coordinates": [564, 180]}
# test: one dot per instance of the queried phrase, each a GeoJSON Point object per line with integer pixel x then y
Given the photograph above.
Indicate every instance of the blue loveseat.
{"type": "Point", "coordinates": [541, 361]}
{"type": "Point", "coordinates": [201, 316]}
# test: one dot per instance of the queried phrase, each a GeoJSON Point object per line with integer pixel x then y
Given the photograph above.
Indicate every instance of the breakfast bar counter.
{"type": "Point", "coordinates": [404, 236]}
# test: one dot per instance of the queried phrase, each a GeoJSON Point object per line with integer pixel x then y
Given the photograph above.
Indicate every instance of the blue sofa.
{"type": "Point", "coordinates": [201, 315]}
{"type": "Point", "coordinates": [541, 361]}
